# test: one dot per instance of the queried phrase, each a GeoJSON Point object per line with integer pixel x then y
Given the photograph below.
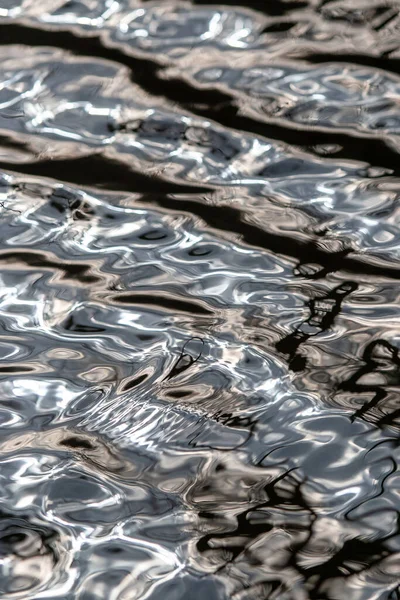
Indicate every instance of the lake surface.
{"type": "Point", "coordinates": [199, 300]}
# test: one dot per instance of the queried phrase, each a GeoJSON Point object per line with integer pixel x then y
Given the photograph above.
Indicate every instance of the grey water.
{"type": "Point", "coordinates": [199, 300]}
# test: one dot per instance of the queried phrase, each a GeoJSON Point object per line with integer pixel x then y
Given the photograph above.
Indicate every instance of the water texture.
{"type": "Point", "coordinates": [199, 290]}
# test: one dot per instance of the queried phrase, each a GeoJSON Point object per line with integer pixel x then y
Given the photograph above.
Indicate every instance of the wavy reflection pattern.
{"type": "Point", "coordinates": [199, 331]}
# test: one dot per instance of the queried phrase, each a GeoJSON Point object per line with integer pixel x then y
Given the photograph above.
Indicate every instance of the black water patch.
{"type": "Point", "coordinates": [162, 301]}
{"type": "Point", "coordinates": [227, 218]}
{"type": "Point", "coordinates": [100, 172]}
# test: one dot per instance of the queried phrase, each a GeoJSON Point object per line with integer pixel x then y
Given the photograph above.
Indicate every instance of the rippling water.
{"type": "Point", "coordinates": [200, 335]}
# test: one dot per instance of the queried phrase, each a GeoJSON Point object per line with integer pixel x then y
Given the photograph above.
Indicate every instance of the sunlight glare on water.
{"type": "Point", "coordinates": [199, 263]}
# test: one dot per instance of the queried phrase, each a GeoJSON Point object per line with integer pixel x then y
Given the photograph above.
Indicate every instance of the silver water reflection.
{"type": "Point", "coordinates": [199, 355]}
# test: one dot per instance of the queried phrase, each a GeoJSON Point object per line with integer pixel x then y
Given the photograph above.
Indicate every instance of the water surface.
{"type": "Point", "coordinates": [200, 335]}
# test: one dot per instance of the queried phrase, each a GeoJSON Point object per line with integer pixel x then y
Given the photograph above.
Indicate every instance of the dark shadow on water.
{"type": "Point", "coordinates": [377, 356]}
{"type": "Point", "coordinates": [185, 359]}
{"type": "Point", "coordinates": [323, 312]}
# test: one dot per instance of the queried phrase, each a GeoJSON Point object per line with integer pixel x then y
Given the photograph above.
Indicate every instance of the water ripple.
{"type": "Point", "coordinates": [199, 333]}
